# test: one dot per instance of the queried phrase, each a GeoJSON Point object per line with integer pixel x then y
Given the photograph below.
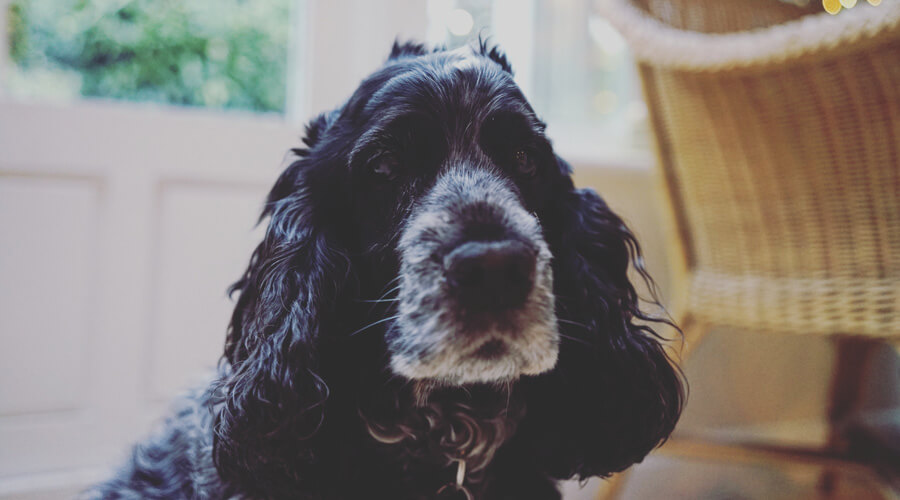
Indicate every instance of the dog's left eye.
{"type": "Point", "coordinates": [386, 167]}
{"type": "Point", "coordinates": [524, 163]}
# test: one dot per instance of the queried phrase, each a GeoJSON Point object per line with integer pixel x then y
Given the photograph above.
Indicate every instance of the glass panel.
{"type": "Point", "coordinates": [573, 66]}
{"type": "Point", "coordinates": [223, 54]}
{"type": "Point", "coordinates": [584, 75]}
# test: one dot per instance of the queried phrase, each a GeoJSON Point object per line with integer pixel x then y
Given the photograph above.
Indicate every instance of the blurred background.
{"type": "Point", "coordinates": [138, 139]}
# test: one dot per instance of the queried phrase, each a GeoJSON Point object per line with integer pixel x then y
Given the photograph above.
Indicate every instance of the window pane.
{"type": "Point", "coordinates": [583, 72]}
{"type": "Point", "coordinates": [212, 53]}
{"type": "Point", "coordinates": [573, 66]}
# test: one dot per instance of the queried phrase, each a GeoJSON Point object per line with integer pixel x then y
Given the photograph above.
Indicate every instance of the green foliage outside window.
{"type": "Point", "coordinates": [212, 53]}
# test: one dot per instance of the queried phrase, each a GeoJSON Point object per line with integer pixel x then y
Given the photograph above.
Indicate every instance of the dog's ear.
{"type": "Point", "coordinates": [271, 396]}
{"type": "Point", "coordinates": [614, 394]}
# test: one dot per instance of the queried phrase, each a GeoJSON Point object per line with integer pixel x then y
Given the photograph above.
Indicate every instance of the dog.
{"type": "Point", "coordinates": [435, 311]}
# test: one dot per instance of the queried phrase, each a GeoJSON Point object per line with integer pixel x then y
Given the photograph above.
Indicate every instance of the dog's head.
{"type": "Point", "coordinates": [455, 160]}
{"type": "Point", "coordinates": [429, 231]}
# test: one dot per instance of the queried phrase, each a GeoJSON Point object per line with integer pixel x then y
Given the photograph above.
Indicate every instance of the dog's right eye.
{"type": "Point", "coordinates": [385, 167]}
{"type": "Point", "coordinates": [523, 163]}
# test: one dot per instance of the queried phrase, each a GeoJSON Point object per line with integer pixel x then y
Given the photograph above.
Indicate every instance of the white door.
{"type": "Point", "coordinates": [120, 230]}
{"type": "Point", "coordinates": [121, 227]}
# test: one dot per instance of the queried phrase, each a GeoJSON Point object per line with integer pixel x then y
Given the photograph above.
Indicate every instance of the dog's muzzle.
{"type": "Point", "coordinates": [476, 291]}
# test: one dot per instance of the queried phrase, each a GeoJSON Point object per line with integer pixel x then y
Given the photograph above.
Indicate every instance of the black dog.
{"type": "Point", "coordinates": [435, 310]}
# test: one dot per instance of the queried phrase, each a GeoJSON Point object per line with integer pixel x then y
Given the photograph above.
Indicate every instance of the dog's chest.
{"type": "Point", "coordinates": [446, 445]}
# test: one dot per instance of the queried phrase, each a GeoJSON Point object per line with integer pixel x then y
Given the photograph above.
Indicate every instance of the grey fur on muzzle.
{"type": "Point", "coordinates": [440, 336]}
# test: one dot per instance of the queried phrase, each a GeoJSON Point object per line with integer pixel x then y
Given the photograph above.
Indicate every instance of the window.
{"type": "Point", "coordinates": [221, 54]}
{"type": "Point", "coordinates": [252, 56]}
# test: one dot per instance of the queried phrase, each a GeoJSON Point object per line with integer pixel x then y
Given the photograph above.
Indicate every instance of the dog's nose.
{"type": "Point", "coordinates": [491, 275]}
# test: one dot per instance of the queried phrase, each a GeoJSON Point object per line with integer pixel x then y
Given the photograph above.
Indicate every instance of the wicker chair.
{"type": "Point", "coordinates": [778, 137]}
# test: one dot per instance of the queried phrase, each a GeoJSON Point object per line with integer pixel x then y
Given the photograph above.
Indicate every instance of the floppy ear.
{"type": "Point", "coordinates": [614, 395]}
{"type": "Point", "coordinates": [271, 397]}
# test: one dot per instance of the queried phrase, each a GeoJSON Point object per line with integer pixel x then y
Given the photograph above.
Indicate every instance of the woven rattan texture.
{"type": "Point", "coordinates": [786, 180]}
{"type": "Point", "coordinates": [795, 35]}
{"type": "Point", "coordinates": [724, 16]}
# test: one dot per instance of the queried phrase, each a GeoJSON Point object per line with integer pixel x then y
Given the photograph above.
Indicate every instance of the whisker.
{"type": "Point", "coordinates": [573, 339]}
{"type": "Point", "coordinates": [382, 298]}
{"type": "Point", "coordinates": [508, 395]}
{"type": "Point", "coordinates": [378, 301]}
{"type": "Point", "coordinates": [377, 247]}
{"type": "Point", "coordinates": [390, 379]}
{"type": "Point", "coordinates": [575, 323]}
{"type": "Point", "coordinates": [370, 325]}
{"type": "Point", "coordinates": [385, 294]}
{"type": "Point", "coordinates": [388, 284]}
{"type": "Point", "coordinates": [391, 282]}
{"type": "Point", "coordinates": [570, 322]}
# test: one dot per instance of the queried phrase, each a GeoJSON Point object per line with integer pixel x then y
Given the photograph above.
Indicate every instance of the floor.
{"type": "Point", "coordinates": [692, 480]}
{"type": "Point", "coordinates": [746, 387]}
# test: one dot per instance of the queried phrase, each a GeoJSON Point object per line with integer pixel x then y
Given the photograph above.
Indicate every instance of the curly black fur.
{"type": "Point", "coordinates": [305, 404]}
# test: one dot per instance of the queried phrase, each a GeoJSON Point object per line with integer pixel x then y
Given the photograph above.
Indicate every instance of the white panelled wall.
{"type": "Point", "coordinates": [120, 229]}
